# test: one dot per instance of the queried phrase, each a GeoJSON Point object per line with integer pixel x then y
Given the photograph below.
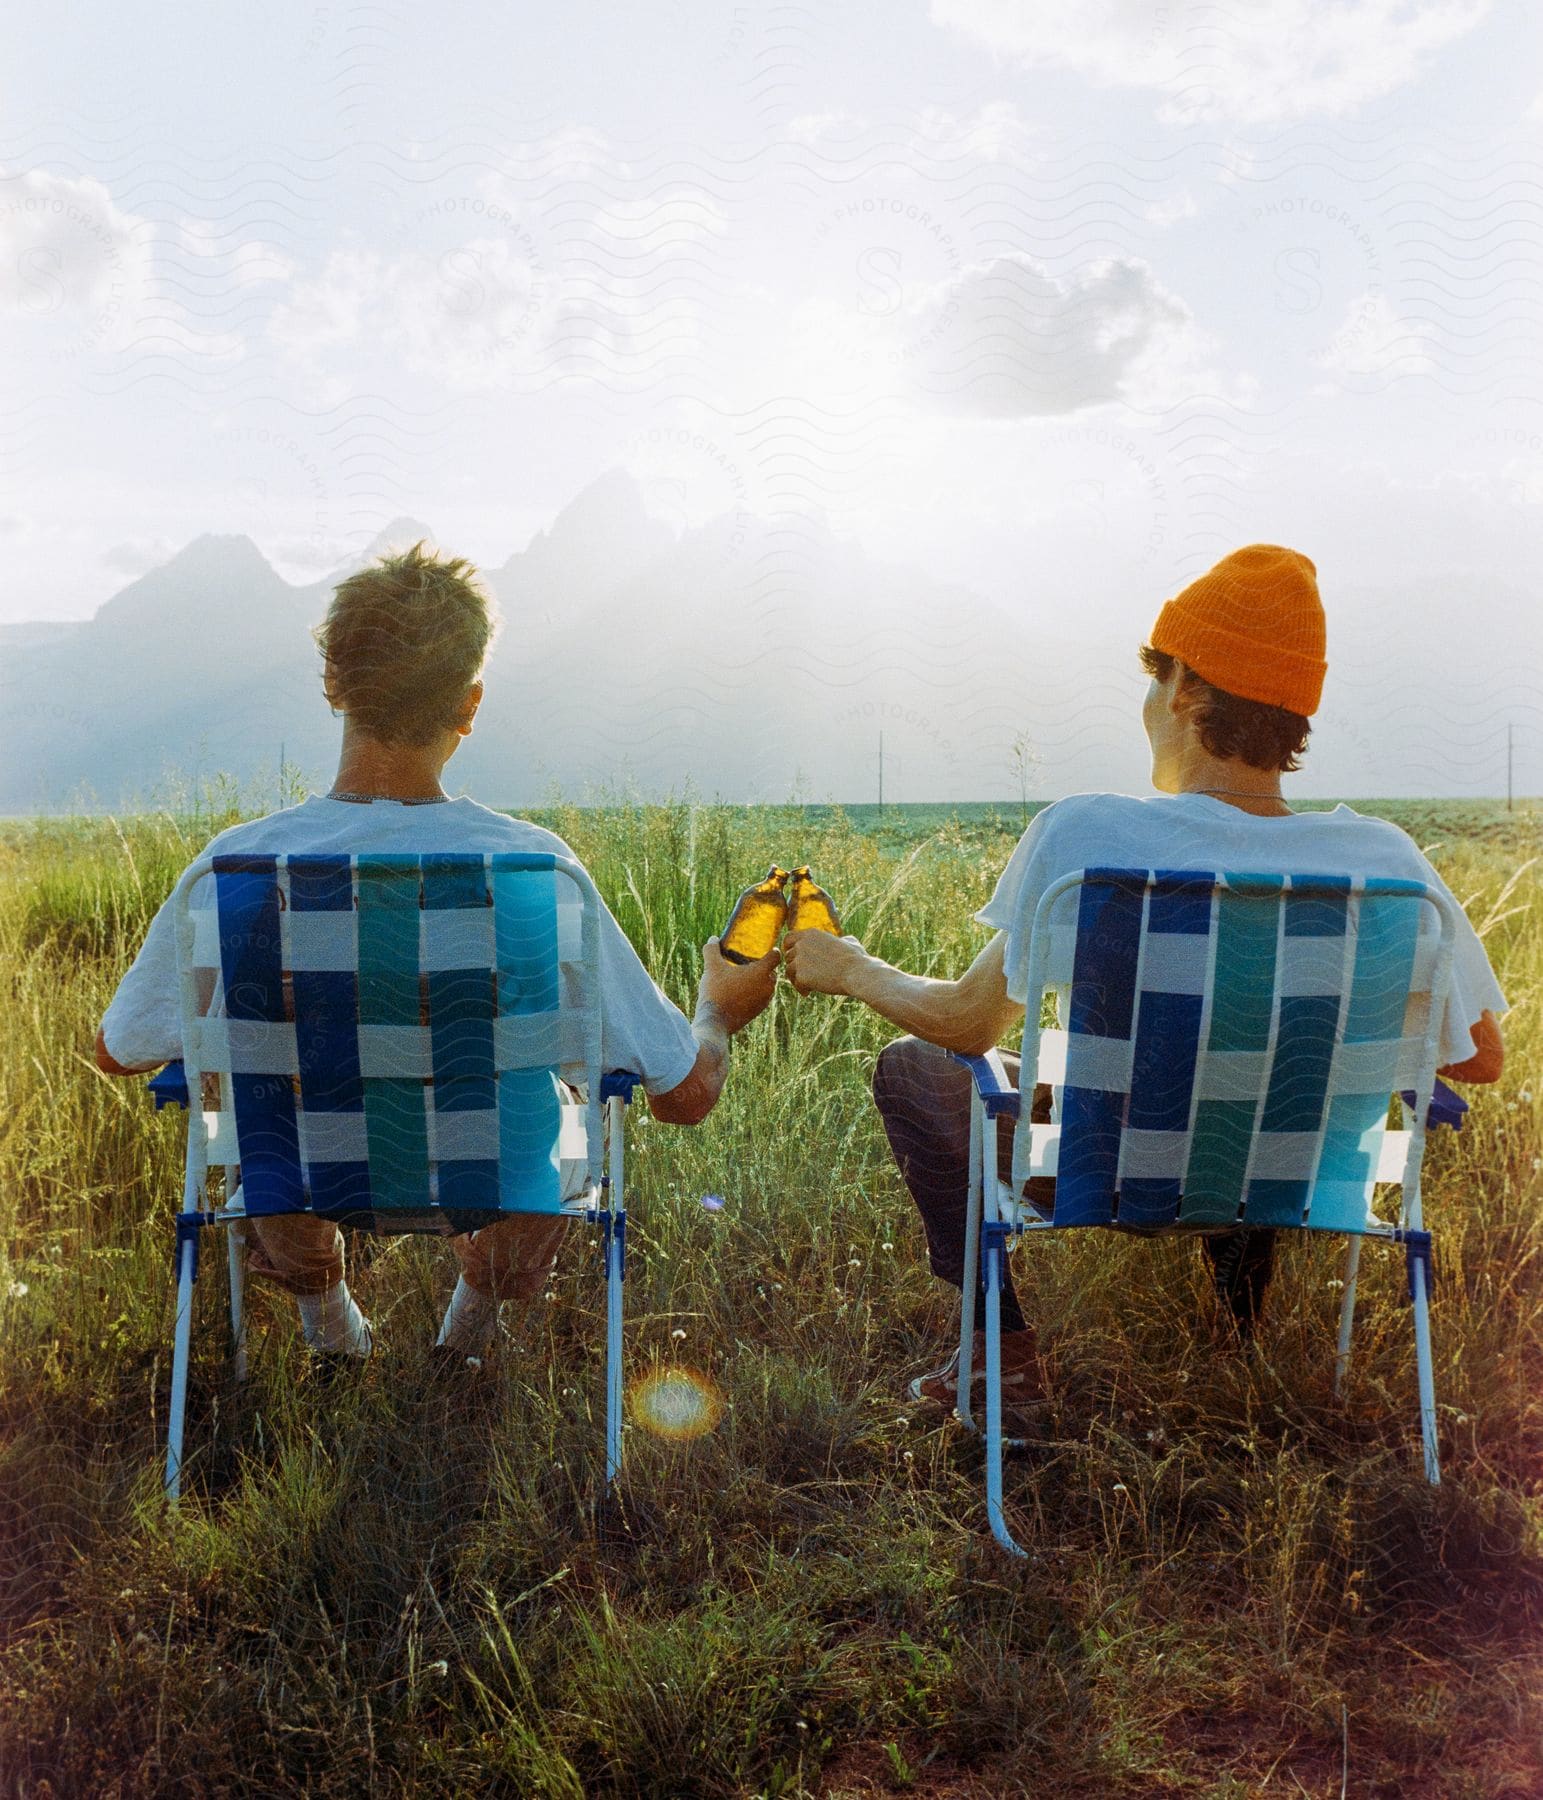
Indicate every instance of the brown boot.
{"type": "Point", "coordinates": [1023, 1388]}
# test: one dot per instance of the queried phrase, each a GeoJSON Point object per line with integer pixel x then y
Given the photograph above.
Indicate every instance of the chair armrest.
{"type": "Point", "coordinates": [617, 1084]}
{"type": "Point", "coordinates": [1446, 1107]}
{"type": "Point", "coordinates": [999, 1096]}
{"type": "Point", "coordinates": [170, 1086]}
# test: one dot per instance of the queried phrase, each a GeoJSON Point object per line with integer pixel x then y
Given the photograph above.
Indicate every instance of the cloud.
{"type": "Point", "coordinates": [1254, 61]}
{"type": "Point", "coordinates": [462, 314]}
{"type": "Point", "coordinates": [1373, 339]}
{"type": "Point", "coordinates": [247, 263]}
{"type": "Point", "coordinates": [135, 556]}
{"type": "Point", "coordinates": [598, 298]}
{"type": "Point", "coordinates": [994, 130]}
{"type": "Point", "coordinates": [66, 250]}
{"type": "Point", "coordinates": [1021, 343]}
{"type": "Point", "coordinates": [813, 128]}
{"type": "Point", "coordinates": [1171, 209]}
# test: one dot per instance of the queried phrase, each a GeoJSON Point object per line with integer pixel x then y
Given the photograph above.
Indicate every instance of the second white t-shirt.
{"type": "Point", "coordinates": [1198, 831]}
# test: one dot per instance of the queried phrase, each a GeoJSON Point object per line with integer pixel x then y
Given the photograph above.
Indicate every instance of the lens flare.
{"type": "Point", "coordinates": [676, 1404]}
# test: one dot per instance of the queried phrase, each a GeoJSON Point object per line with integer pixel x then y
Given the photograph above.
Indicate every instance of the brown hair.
{"type": "Point", "coordinates": [1263, 736]}
{"type": "Point", "coordinates": [402, 642]}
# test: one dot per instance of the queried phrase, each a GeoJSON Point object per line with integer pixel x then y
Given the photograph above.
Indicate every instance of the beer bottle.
{"type": "Point", "coordinates": [756, 919]}
{"type": "Point", "coordinates": [810, 909]}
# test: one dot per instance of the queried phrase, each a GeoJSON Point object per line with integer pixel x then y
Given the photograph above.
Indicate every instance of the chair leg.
{"type": "Point", "coordinates": [615, 1281]}
{"type": "Point", "coordinates": [972, 1211]}
{"type": "Point", "coordinates": [187, 1271]}
{"type": "Point", "coordinates": [235, 1262]}
{"type": "Point", "coordinates": [993, 1277]}
{"type": "Point", "coordinates": [1347, 1314]}
{"type": "Point", "coordinates": [1425, 1375]}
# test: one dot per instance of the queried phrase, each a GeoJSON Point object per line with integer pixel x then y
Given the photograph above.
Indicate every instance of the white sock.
{"type": "Point", "coordinates": [333, 1321]}
{"type": "Point", "coordinates": [470, 1320]}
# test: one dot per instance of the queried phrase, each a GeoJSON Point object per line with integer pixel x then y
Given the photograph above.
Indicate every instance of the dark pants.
{"type": "Point", "coordinates": [923, 1097]}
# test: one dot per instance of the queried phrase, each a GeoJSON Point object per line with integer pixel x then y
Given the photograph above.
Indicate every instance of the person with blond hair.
{"type": "Point", "coordinates": [1236, 665]}
{"type": "Point", "coordinates": [403, 646]}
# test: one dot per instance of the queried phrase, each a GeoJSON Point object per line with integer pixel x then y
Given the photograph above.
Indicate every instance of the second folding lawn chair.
{"type": "Point", "coordinates": [1230, 1047]}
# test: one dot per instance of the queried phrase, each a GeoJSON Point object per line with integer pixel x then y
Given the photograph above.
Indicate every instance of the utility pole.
{"type": "Point", "coordinates": [1510, 732]}
{"type": "Point", "coordinates": [881, 774]}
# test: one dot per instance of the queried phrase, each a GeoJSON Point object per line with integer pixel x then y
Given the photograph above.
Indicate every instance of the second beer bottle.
{"type": "Point", "coordinates": [757, 919]}
{"type": "Point", "coordinates": [811, 908]}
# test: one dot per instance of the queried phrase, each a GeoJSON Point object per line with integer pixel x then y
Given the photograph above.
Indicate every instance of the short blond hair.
{"type": "Point", "coordinates": [402, 642]}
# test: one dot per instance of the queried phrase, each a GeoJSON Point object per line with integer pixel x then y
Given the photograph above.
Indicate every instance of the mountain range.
{"type": "Point", "coordinates": [751, 658]}
{"type": "Point", "coordinates": [746, 659]}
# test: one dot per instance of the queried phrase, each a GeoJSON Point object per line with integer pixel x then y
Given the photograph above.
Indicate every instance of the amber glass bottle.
{"type": "Point", "coordinates": [757, 919]}
{"type": "Point", "coordinates": [810, 909]}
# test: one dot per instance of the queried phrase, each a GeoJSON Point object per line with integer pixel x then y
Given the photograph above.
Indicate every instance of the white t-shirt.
{"type": "Point", "coordinates": [641, 1029]}
{"type": "Point", "coordinates": [1198, 831]}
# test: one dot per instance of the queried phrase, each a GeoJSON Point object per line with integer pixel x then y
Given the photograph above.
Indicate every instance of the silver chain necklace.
{"type": "Point", "coordinates": [367, 799]}
{"type": "Point", "coordinates": [1239, 794]}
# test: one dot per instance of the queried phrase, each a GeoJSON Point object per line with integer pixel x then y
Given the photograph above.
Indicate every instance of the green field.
{"type": "Point", "coordinates": [1239, 1586]}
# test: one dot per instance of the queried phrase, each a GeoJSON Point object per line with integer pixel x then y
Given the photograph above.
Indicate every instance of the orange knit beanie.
{"type": "Point", "coordinates": [1252, 626]}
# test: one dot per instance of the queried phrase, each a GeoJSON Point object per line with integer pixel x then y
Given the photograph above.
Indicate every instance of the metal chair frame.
{"type": "Point", "coordinates": [602, 1202]}
{"type": "Point", "coordinates": [997, 1217]}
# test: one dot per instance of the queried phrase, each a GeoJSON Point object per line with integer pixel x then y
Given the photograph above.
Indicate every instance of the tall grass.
{"type": "Point", "coordinates": [382, 1589]}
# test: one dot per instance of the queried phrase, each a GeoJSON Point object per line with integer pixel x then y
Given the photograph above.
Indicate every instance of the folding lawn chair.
{"type": "Point", "coordinates": [1230, 1048]}
{"type": "Point", "coordinates": [382, 1038]}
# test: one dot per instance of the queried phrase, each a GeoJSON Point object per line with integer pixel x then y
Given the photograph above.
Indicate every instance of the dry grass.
{"type": "Point", "coordinates": [375, 1591]}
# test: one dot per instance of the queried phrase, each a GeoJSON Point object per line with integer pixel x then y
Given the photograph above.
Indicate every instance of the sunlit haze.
{"type": "Point", "coordinates": [939, 345]}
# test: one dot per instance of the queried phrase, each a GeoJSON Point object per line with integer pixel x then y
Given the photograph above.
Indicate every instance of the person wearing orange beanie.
{"type": "Point", "coordinates": [1252, 626]}
{"type": "Point", "coordinates": [1237, 661]}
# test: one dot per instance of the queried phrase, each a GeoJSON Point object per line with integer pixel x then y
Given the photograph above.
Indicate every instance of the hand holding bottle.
{"type": "Point", "coordinates": [819, 959]}
{"type": "Point", "coordinates": [738, 991]}
{"type": "Point", "coordinates": [819, 962]}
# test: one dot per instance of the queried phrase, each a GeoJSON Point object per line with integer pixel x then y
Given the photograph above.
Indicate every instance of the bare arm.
{"type": "Point", "coordinates": [729, 997]}
{"type": "Point", "coordinates": [1488, 1058]}
{"type": "Point", "coordinates": [969, 1015]}
{"type": "Point", "coordinates": [109, 1064]}
{"type": "Point", "coordinates": [691, 1100]}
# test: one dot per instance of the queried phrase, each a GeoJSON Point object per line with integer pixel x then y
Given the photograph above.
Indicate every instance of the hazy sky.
{"type": "Point", "coordinates": [1058, 300]}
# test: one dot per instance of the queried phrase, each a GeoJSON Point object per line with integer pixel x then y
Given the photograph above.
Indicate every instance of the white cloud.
{"type": "Point", "coordinates": [995, 131]}
{"type": "Point", "coordinates": [134, 556]}
{"type": "Point", "coordinates": [1256, 61]}
{"type": "Point", "coordinates": [812, 128]}
{"type": "Point", "coordinates": [462, 315]}
{"type": "Point", "coordinates": [328, 310]}
{"type": "Point", "coordinates": [308, 555]}
{"type": "Point", "coordinates": [1171, 209]}
{"type": "Point", "coordinates": [1019, 343]}
{"type": "Point", "coordinates": [518, 297]}
{"type": "Point", "coordinates": [1374, 340]}
{"type": "Point", "coordinates": [245, 263]}
{"type": "Point", "coordinates": [67, 251]}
